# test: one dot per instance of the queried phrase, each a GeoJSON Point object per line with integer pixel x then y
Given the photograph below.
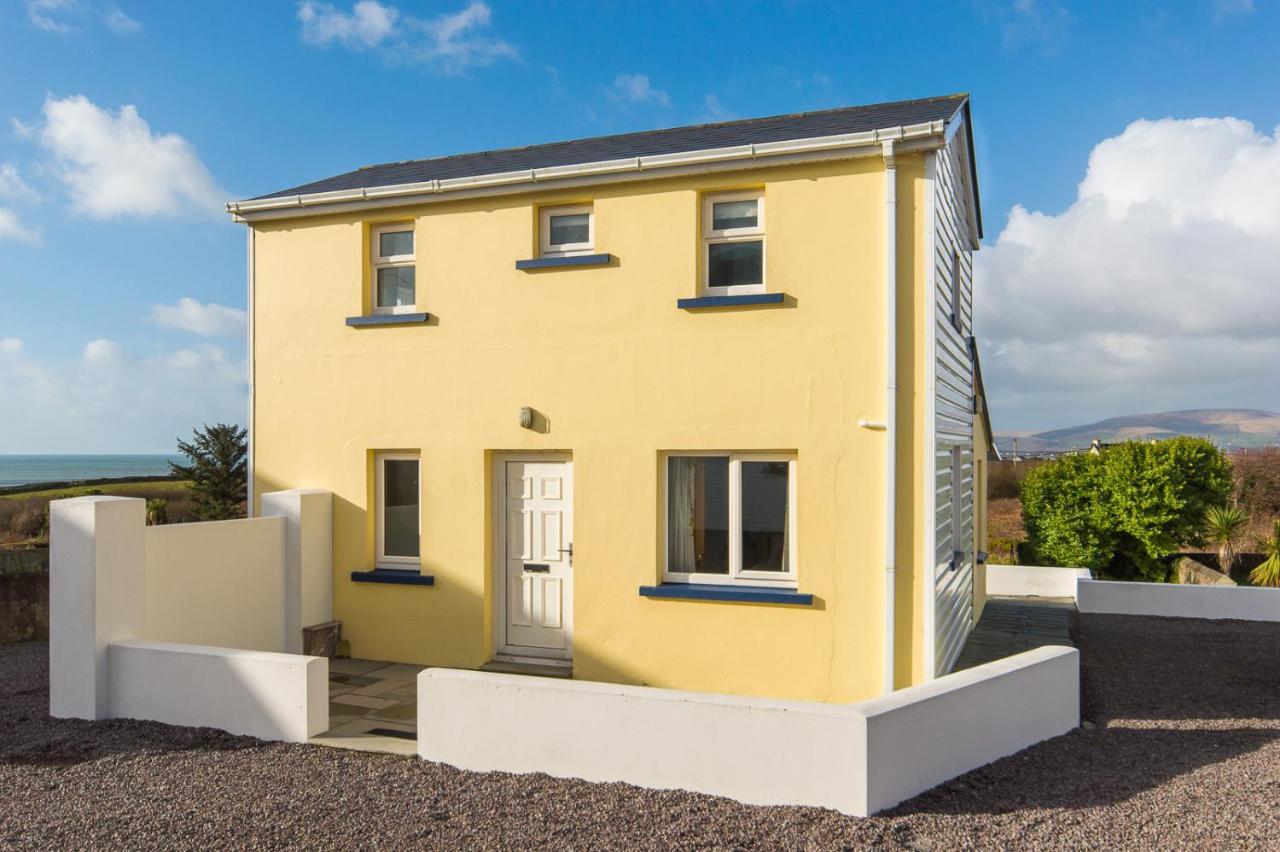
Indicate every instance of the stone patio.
{"type": "Point", "coordinates": [373, 706]}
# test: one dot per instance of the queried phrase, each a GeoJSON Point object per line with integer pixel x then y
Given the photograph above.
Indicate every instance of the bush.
{"type": "Point", "coordinates": [1257, 480]}
{"type": "Point", "coordinates": [157, 511]}
{"type": "Point", "coordinates": [1122, 512]}
{"type": "Point", "coordinates": [1005, 477]}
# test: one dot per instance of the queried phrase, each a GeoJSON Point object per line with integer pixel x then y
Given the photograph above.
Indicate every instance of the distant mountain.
{"type": "Point", "coordinates": [1229, 428]}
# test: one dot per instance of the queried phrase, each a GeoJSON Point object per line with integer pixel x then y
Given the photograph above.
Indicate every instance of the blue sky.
{"type": "Point", "coordinates": [106, 106]}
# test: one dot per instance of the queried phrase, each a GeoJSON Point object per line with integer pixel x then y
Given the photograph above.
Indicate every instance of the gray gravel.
{"type": "Point", "coordinates": [1180, 752]}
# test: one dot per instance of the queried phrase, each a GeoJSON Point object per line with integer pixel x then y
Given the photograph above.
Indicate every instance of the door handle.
{"type": "Point", "coordinates": [533, 568]}
{"type": "Point", "coordinates": [568, 550]}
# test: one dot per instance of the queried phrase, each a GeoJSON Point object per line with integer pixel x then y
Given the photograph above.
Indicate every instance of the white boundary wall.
{"type": "Point", "coordinates": [856, 758]}
{"type": "Point", "coordinates": [1178, 601]}
{"type": "Point", "coordinates": [1034, 581]}
{"type": "Point", "coordinates": [214, 587]}
{"type": "Point", "coordinates": [260, 694]}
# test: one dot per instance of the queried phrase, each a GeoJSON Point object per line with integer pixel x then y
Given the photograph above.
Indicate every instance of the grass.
{"type": "Point", "coordinates": [163, 488]}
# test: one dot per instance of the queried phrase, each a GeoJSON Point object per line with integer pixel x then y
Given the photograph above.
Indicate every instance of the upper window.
{"type": "Point", "coordinates": [733, 236]}
{"type": "Point", "coordinates": [567, 231]}
{"type": "Point", "coordinates": [394, 289]}
{"type": "Point", "coordinates": [730, 518]}
{"type": "Point", "coordinates": [398, 509]}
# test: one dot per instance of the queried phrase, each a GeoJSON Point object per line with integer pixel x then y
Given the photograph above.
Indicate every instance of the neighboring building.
{"type": "Point", "coordinates": [639, 406]}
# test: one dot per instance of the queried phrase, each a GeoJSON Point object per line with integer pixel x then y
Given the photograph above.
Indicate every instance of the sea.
{"type": "Point", "coordinates": [25, 470]}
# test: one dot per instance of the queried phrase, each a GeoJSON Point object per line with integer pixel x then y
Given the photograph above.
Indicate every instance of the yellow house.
{"type": "Point", "coordinates": [690, 408]}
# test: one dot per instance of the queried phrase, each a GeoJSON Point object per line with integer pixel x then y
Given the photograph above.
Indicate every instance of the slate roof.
{"type": "Point", "coordinates": [779, 128]}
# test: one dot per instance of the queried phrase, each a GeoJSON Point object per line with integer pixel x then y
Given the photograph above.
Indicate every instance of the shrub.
{"type": "Point", "coordinates": [1123, 511]}
{"type": "Point", "coordinates": [1268, 572]}
{"type": "Point", "coordinates": [157, 511]}
{"type": "Point", "coordinates": [1223, 526]}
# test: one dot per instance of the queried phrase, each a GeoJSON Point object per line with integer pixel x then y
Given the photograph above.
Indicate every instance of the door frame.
{"type": "Point", "coordinates": [498, 567]}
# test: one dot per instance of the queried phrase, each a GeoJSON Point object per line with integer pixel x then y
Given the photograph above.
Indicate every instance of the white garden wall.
{"type": "Point", "coordinates": [1178, 601]}
{"type": "Point", "coordinates": [259, 694]}
{"type": "Point", "coordinates": [201, 598]}
{"type": "Point", "coordinates": [754, 750]}
{"type": "Point", "coordinates": [1034, 581]}
{"type": "Point", "coordinates": [218, 583]}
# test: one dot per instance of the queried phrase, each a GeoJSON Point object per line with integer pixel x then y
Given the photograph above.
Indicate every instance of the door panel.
{"type": "Point", "coordinates": [538, 573]}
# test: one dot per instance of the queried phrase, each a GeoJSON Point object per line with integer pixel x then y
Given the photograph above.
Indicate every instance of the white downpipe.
{"type": "Point", "coordinates": [890, 403]}
{"type": "Point", "coordinates": [249, 356]}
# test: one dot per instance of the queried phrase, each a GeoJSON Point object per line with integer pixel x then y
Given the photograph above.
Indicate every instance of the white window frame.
{"type": "Point", "coordinates": [736, 576]}
{"type": "Point", "coordinates": [381, 559]}
{"type": "Point", "coordinates": [547, 249]}
{"type": "Point", "coordinates": [379, 261]}
{"type": "Point", "coordinates": [711, 236]}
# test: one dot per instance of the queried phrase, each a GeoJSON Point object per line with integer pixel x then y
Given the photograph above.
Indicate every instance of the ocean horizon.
{"type": "Point", "coordinates": [35, 469]}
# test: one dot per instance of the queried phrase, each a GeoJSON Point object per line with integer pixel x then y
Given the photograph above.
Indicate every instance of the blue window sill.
{"type": "Point", "coordinates": [710, 592]}
{"type": "Point", "coordinates": [393, 575]}
{"type": "Point", "coordinates": [572, 260]}
{"type": "Point", "coordinates": [388, 319]}
{"type": "Point", "coordinates": [731, 301]}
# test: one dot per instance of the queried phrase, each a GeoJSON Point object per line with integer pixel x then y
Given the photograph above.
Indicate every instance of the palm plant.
{"type": "Point", "coordinates": [1222, 526]}
{"type": "Point", "coordinates": [1268, 573]}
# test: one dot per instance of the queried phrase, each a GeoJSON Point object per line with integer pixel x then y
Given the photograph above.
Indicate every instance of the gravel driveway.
{"type": "Point", "coordinates": [1180, 752]}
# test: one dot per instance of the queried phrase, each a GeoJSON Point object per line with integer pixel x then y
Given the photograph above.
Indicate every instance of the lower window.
{"type": "Point", "coordinates": [730, 518]}
{"type": "Point", "coordinates": [398, 507]}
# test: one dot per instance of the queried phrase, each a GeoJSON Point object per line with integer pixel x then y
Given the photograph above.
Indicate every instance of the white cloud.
{"type": "Point", "coordinates": [1154, 290]}
{"type": "Point", "coordinates": [367, 25]}
{"type": "Point", "coordinates": [13, 186]}
{"type": "Point", "coordinates": [1229, 8]}
{"type": "Point", "coordinates": [111, 400]}
{"type": "Point", "coordinates": [716, 111]}
{"type": "Point", "coordinates": [10, 344]}
{"type": "Point", "coordinates": [636, 89]}
{"type": "Point", "coordinates": [41, 14]}
{"type": "Point", "coordinates": [207, 320]}
{"type": "Point", "coordinates": [11, 228]}
{"type": "Point", "coordinates": [120, 23]}
{"type": "Point", "coordinates": [113, 165]}
{"type": "Point", "coordinates": [1046, 23]}
{"type": "Point", "coordinates": [449, 43]}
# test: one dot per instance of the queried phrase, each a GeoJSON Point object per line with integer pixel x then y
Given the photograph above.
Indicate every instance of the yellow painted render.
{"type": "Point", "coordinates": [621, 375]}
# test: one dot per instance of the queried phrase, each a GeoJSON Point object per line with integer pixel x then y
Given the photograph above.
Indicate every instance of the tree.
{"type": "Point", "coordinates": [1123, 511]}
{"type": "Point", "coordinates": [1222, 526]}
{"type": "Point", "coordinates": [218, 471]}
{"type": "Point", "coordinates": [1268, 573]}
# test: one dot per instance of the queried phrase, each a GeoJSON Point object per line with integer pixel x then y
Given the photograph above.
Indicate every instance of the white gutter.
{"type": "Point", "coordinates": [890, 403]}
{"type": "Point", "coordinates": [865, 143]}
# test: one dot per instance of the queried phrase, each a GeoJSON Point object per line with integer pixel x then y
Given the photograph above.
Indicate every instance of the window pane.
{"type": "Point", "coordinates": [391, 243]}
{"type": "Point", "coordinates": [764, 516]}
{"type": "Point", "coordinates": [395, 286]}
{"type": "Point", "coordinates": [698, 514]}
{"type": "Point", "coordinates": [735, 263]}
{"type": "Point", "coordinates": [734, 214]}
{"type": "Point", "coordinates": [400, 507]}
{"type": "Point", "coordinates": [571, 228]}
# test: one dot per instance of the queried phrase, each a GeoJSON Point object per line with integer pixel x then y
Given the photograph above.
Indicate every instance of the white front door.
{"type": "Point", "coordinates": [535, 591]}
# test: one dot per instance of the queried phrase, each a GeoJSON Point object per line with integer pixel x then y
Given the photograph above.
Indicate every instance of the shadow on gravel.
{"type": "Point", "coordinates": [1137, 667]}
{"type": "Point", "coordinates": [1087, 769]}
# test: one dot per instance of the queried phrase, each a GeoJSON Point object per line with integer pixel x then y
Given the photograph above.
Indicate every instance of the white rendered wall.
{"type": "Point", "coordinates": [1172, 600]}
{"type": "Point", "coordinates": [95, 597]}
{"type": "Point", "coordinates": [1034, 580]}
{"type": "Point", "coordinates": [258, 694]}
{"type": "Point", "coordinates": [219, 583]}
{"type": "Point", "coordinates": [308, 560]}
{"type": "Point", "coordinates": [918, 738]}
{"type": "Point", "coordinates": [754, 750]}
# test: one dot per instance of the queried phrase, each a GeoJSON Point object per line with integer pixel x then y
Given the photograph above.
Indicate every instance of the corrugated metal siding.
{"type": "Point", "coordinates": [953, 412]}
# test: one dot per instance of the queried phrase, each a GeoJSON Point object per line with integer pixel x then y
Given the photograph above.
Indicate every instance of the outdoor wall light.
{"type": "Point", "coordinates": [526, 418]}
